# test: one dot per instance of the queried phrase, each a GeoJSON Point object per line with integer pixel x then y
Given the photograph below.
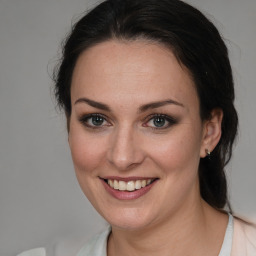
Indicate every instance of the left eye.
{"type": "Point", "coordinates": [160, 122]}
{"type": "Point", "coordinates": [94, 121]}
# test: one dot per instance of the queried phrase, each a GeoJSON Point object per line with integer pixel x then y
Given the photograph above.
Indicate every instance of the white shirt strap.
{"type": "Point", "coordinates": [34, 252]}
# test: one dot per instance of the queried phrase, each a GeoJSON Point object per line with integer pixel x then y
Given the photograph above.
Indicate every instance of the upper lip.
{"type": "Point", "coordinates": [126, 179]}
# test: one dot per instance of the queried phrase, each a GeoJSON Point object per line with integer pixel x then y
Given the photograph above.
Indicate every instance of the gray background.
{"type": "Point", "coordinates": [40, 200]}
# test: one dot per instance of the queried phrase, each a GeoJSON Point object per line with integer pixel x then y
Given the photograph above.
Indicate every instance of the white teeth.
{"type": "Point", "coordinates": [137, 184]}
{"type": "Point", "coordinates": [111, 183]}
{"type": "Point", "coordinates": [122, 185]}
{"type": "Point", "coordinates": [116, 184]}
{"type": "Point", "coordinates": [130, 185]}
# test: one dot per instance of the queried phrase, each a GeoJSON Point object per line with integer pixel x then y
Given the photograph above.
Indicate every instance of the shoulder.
{"type": "Point", "coordinates": [97, 246]}
{"type": "Point", "coordinates": [34, 252]}
{"type": "Point", "coordinates": [244, 239]}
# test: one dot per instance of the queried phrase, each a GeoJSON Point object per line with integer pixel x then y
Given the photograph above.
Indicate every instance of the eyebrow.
{"type": "Point", "coordinates": [159, 104]}
{"type": "Point", "coordinates": [94, 104]}
{"type": "Point", "coordinates": [142, 108]}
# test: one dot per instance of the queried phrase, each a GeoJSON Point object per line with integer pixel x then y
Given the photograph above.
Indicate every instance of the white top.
{"type": "Point", "coordinates": [34, 252]}
{"type": "Point", "coordinates": [227, 242]}
{"type": "Point", "coordinates": [239, 240]}
{"type": "Point", "coordinates": [98, 245]}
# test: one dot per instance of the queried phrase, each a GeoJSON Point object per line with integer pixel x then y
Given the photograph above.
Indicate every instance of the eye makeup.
{"type": "Point", "coordinates": [156, 121]}
{"type": "Point", "coordinates": [94, 121]}
{"type": "Point", "coordinates": [159, 121]}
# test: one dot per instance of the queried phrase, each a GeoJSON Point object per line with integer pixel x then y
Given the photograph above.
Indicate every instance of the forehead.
{"type": "Point", "coordinates": [139, 69]}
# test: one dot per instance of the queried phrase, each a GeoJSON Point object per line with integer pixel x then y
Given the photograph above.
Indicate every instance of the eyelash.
{"type": "Point", "coordinates": [171, 121]}
{"type": "Point", "coordinates": [84, 120]}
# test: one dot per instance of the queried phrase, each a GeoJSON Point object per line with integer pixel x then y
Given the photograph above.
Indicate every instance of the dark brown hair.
{"type": "Point", "coordinates": [196, 43]}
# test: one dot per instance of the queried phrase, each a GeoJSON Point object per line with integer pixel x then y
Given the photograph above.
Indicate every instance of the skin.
{"type": "Point", "coordinates": [171, 218]}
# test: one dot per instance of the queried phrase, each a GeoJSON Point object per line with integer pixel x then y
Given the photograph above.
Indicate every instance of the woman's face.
{"type": "Point", "coordinates": [136, 136]}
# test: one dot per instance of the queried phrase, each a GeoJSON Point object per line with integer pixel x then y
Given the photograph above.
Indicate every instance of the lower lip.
{"type": "Point", "coordinates": [125, 195]}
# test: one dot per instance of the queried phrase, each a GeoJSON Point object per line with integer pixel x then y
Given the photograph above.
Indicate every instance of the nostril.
{"type": "Point", "coordinates": [124, 152]}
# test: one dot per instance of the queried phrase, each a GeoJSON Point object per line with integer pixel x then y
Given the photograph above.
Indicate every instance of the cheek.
{"type": "Point", "coordinates": [178, 152]}
{"type": "Point", "coordinates": [88, 155]}
{"type": "Point", "coordinates": [87, 152]}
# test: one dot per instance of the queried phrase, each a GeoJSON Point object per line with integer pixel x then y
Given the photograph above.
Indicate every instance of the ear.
{"type": "Point", "coordinates": [211, 132]}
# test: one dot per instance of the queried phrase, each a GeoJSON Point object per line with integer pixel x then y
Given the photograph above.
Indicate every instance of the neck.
{"type": "Point", "coordinates": [199, 230]}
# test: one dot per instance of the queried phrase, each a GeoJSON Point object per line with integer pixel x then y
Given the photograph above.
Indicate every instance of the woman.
{"type": "Point", "coordinates": [147, 90]}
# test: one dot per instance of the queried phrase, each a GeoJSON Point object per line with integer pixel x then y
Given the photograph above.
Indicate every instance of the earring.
{"type": "Point", "coordinates": [208, 154]}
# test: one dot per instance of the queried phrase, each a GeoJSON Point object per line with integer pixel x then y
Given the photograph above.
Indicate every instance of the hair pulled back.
{"type": "Point", "coordinates": [196, 43]}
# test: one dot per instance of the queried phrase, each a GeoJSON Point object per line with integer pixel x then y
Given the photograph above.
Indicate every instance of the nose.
{"type": "Point", "coordinates": [125, 150]}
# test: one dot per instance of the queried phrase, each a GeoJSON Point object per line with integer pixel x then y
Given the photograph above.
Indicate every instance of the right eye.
{"type": "Point", "coordinates": [94, 121]}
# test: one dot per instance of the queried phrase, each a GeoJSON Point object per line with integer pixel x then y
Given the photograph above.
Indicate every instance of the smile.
{"type": "Point", "coordinates": [128, 188]}
{"type": "Point", "coordinates": [131, 185]}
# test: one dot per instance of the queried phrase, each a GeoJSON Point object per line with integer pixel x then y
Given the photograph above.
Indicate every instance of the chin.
{"type": "Point", "coordinates": [129, 219]}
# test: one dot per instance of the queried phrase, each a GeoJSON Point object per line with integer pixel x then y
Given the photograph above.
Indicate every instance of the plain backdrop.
{"type": "Point", "coordinates": [40, 200]}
